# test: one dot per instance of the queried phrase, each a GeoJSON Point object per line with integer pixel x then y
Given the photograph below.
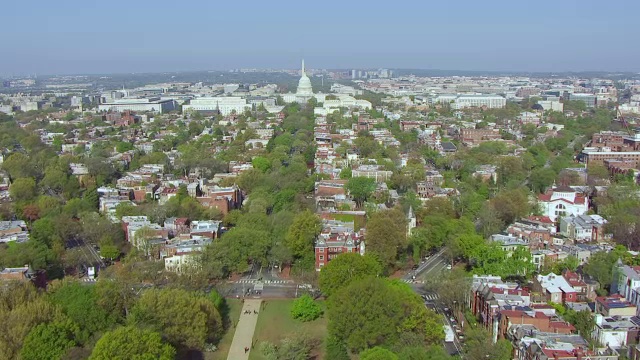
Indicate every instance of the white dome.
{"type": "Point", "coordinates": [304, 85]}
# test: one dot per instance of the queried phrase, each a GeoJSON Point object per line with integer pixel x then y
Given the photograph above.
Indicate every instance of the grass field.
{"type": "Point", "coordinates": [225, 343]}
{"type": "Point", "coordinates": [275, 323]}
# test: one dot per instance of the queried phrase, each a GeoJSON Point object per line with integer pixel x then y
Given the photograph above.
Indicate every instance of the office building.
{"type": "Point", "coordinates": [153, 104]}
{"type": "Point", "coordinates": [225, 105]}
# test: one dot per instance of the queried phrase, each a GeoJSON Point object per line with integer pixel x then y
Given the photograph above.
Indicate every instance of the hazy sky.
{"type": "Point", "coordinates": [69, 36]}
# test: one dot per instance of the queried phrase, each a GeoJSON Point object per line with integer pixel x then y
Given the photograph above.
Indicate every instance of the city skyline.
{"type": "Point", "coordinates": [76, 38]}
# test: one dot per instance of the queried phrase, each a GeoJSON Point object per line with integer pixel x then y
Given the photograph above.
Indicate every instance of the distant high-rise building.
{"type": "Point", "coordinates": [354, 74]}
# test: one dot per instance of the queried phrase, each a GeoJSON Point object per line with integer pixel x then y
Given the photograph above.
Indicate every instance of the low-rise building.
{"type": "Point", "coordinates": [375, 172]}
{"type": "Point", "coordinates": [337, 237]}
{"type": "Point", "coordinates": [616, 331]}
{"type": "Point", "coordinates": [555, 288]}
{"type": "Point", "coordinates": [626, 282]}
{"type": "Point", "coordinates": [614, 305]}
{"type": "Point", "coordinates": [13, 231]}
{"type": "Point", "coordinates": [583, 227]}
{"type": "Point", "coordinates": [562, 201]}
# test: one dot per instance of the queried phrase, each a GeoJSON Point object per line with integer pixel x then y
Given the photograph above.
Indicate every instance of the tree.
{"type": "Point", "coordinates": [302, 233]}
{"type": "Point", "coordinates": [22, 309]}
{"type": "Point", "coordinates": [187, 319]}
{"type": "Point", "coordinates": [108, 250]}
{"type": "Point", "coordinates": [131, 343]}
{"type": "Point", "coordinates": [49, 341]}
{"type": "Point", "coordinates": [236, 250]}
{"type": "Point", "coordinates": [123, 146]}
{"type": "Point", "coordinates": [335, 349]}
{"type": "Point", "coordinates": [31, 213]}
{"type": "Point", "coordinates": [600, 267]}
{"type": "Point", "coordinates": [433, 352]}
{"type": "Point", "coordinates": [23, 189]}
{"type": "Point", "coordinates": [479, 346]}
{"type": "Point", "coordinates": [296, 347]}
{"type": "Point", "coordinates": [450, 286]}
{"type": "Point", "coordinates": [378, 353]}
{"type": "Point", "coordinates": [490, 221]}
{"type": "Point", "coordinates": [18, 165]}
{"type": "Point", "coordinates": [37, 255]}
{"type": "Point", "coordinates": [305, 309]}
{"type": "Point", "coordinates": [261, 163]}
{"type": "Point", "coordinates": [345, 269]}
{"type": "Point", "coordinates": [345, 173]}
{"type": "Point", "coordinates": [360, 188]}
{"type": "Point", "coordinates": [44, 232]}
{"type": "Point", "coordinates": [387, 235]}
{"type": "Point", "coordinates": [375, 311]}
{"type": "Point", "coordinates": [511, 204]}
{"type": "Point", "coordinates": [583, 321]}
{"type": "Point", "coordinates": [541, 179]}
{"type": "Point", "coordinates": [80, 304]}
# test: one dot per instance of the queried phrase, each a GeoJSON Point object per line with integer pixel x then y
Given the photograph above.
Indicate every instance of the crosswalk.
{"type": "Point", "coordinates": [266, 282]}
{"type": "Point", "coordinates": [409, 281]}
{"type": "Point", "coordinates": [430, 297]}
{"type": "Point", "coordinates": [89, 280]}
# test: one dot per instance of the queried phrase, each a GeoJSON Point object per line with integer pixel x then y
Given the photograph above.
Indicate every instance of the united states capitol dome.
{"type": "Point", "coordinates": [304, 85]}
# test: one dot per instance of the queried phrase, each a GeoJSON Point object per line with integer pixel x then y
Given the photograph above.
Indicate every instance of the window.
{"type": "Point", "coordinates": [321, 250]}
{"type": "Point", "coordinates": [321, 257]}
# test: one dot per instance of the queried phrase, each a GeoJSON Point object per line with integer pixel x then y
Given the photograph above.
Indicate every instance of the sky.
{"type": "Point", "coordinates": [91, 37]}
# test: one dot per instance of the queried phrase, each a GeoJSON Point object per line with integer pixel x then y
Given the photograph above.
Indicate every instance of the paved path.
{"type": "Point", "coordinates": [244, 330]}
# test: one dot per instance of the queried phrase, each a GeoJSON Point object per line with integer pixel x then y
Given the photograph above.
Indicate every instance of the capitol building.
{"type": "Point", "coordinates": [305, 92]}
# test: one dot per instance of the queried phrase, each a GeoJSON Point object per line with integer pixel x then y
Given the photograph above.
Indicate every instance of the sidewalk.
{"type": "Point", "coordinates": [244, 330]}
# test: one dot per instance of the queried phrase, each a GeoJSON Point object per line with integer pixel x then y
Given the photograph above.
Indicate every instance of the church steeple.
{"type": "Point", "coordinates": [411, 221]}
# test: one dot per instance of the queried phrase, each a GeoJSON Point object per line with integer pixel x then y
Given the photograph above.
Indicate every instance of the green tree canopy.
{"type": "Point", "coordinates": [378, 353]}
{"type": "Point", "coordinates": [49, 341]}
{"type": "Point", "coordinates": [80, 304]}
{"type": "Point", "coordinates": [185, 318]}
{"type": "Point", "coordinates": [305, 309]}
{"type": "Point", "coordinates": [22, 309]}
{"type": "Point", "coordinates": [23, 189]}
{"type": "Point", "coordinates": [302, 233]}
{"type": "Point", "coordinates": [387, 235]}
{"type": "Point", "coordinates": [375, 311]}
{"type": "Point", "coordinates": [131, 343]}
{"type": "Point", "coordinates": [346, 268]}
{"type": "Point", "coordinates": [361, 188]}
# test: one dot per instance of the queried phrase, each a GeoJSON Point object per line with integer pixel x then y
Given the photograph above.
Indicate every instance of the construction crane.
{"type": "Point", "coordinates": [622, 120]}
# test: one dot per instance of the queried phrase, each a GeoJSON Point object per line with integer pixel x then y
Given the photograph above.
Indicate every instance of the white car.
{"type": "Point", "coordinates": [449, 267]}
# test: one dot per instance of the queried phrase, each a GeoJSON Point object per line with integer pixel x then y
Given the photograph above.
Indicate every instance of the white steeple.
{"type": "Point", "coordinates": [303, 73]}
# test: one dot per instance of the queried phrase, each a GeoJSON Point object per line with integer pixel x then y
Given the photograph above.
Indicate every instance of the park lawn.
{"type": "Point", "coordinates": [275, 323]}
{"type": "Point", "coordinates": [235, 306]}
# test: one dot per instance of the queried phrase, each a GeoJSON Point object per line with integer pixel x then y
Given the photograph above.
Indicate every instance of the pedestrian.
{"type": "Point", "coordinates": [246, 349]}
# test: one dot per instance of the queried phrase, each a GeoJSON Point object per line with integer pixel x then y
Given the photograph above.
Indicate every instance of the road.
{"type": "Point", "coordinates": [266, 289]}
{"type": "Point", "coordinates": [430, 268]}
